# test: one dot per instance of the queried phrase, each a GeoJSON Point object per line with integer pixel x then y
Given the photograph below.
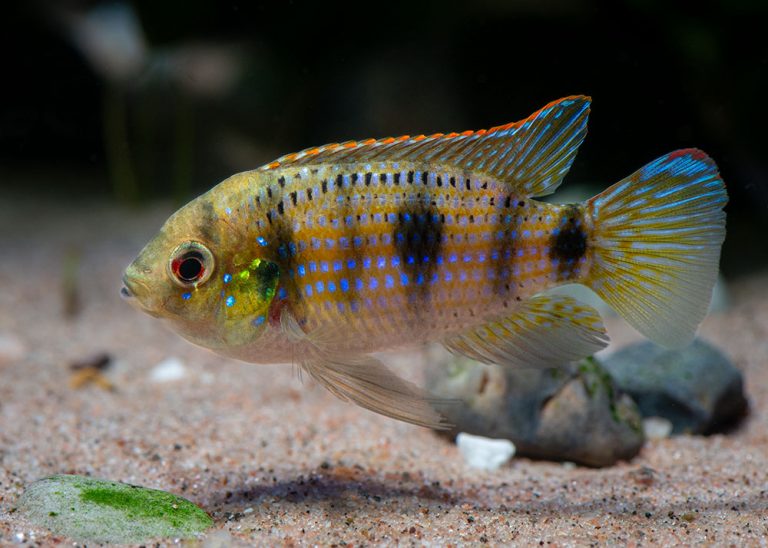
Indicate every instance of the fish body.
{"type": "Point", "coordinates": [326, 256]}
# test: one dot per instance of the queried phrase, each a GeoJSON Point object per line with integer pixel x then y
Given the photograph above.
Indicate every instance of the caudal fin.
{"type": "Point", "coordinates": [657, 240]}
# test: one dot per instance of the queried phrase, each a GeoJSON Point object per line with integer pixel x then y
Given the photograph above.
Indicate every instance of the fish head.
{"type": "Point", "coordinates": [199, 275]}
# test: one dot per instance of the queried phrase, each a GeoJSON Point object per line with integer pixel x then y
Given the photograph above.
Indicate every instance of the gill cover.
{"type": "Point", "coordinates": [247, 295]}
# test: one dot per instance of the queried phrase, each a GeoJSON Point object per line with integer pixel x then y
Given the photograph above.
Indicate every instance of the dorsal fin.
{"type": "Point", "coordinates": [532, 155]}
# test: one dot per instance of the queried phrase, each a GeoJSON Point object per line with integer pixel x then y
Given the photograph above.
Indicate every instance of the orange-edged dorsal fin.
{"type": "Point", "coordinates": [532, 155]}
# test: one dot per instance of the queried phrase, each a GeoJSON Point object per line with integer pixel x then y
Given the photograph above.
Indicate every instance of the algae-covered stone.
{"type": "Point", "coordinates": [696, 388]}
{"type": "Point", "coordinates": [94, 510]}
{"type": "Point", "coordinates": [573, 413]}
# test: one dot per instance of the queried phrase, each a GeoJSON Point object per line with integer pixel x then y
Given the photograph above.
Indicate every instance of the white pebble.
{"type": "Point", "coordinates": [170, 369]}
{"type": "Point", "coordinates": [657, 428]}
{"type": "Point", "coordinates": [11, 348]}
{"type": "Point", "coordinates": [484, 453]}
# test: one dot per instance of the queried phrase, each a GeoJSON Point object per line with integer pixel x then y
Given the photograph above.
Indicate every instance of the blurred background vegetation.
{"type": "Point", "coordinates": [146, 100]}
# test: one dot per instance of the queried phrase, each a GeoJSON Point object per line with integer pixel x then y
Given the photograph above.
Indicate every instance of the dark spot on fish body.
{"type": "Point", "coordinates": [309, 194]}
{"type": "Point", "coordinates": [281, 182]}
{"type": "Point", "coordinates": [410, 177]}
{"type": "Point", "coordinates": [280, 207]}
{"type": "Point", "coordinates": [424, 176]}
{"type": "Point", "coordinates": [418, 238]}
{"type": "Point", "coordinates": [568, 243]}
{"type": "Point", "coordinates": [324, 186]}
{"type": "Point", "coordinates": [368, 177]}
{"type": "Point", "coordinates": [339, 180]}
{"type": "Point", "coordinates": [503, 248]}
{"type": "Point", "coordinates": [294, 197]}
{"type": "Point", "coordinates": [397, 178]}
{"type": "Point", "coordinates": [355, 177]}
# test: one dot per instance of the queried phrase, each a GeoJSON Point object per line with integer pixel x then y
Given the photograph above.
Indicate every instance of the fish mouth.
{"type": "Point", "coordinates": [134, 293]}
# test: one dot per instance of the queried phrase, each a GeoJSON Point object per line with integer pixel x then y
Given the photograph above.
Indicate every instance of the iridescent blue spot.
{"type": "Point", "coordinates": [331, 287]}
{"type": "Point", "coordinates": [381, 262]}
{"type": "Point", "coordinates": [386, 239]}
{"type": "Point", "coordinates": [526, 233]}
{"type": "Point", "coordinates": [282, 250]}
{"type": "Point", "coordinates": [366, 262]}
{"type": "Point", "coordinates": [395, 262]}
{"type": "Point", "coordinates": [281, 293]}
{"type": "Point", "coordinates": [358, 241]}
{"type": "Point", "coordinates": [348, 219]}
{"type": "Point", "coordinates": [354, 306]}
{"type": "Point", "coordinates": [448, 276]}
{"type": "Point", "coordinates": [227, 278]}
{"type": "Point", "coordinates": [419, 278]}
{"type": "Point", "coordinates": [315, 243]}
{"type": "Point", "coordinates": [403, 278]}
{"type": "Point", "coordinates": [258, 321]}
{"type": "Point", "coordinates": [340, 306]}
{"type": "Point", "coordinates": [425, 259]}
{"type": "Point", "coordinates": [312, 266]}
{"type": "Point", "coordinates": [320, 286]}
{"type": "Point", "coordinates": [452, 258]}
{"type": "Point", "coordinates": [351, 264]}
{"type": "Point", "coordinates": [344, 242]}
{"type": "Point", "coordinates": [358, 284]}
{"type": "Point", "coordinates": [389, 282]}
{"type": "Point", "coordinates": [439, 259]}
{"type": "Point", "coordinates": [301, 270]}
{"type": "Point", "coordinates": [373, 283]}
{"type": "Point", "coordinates": [392, 217]}
{"type": "Point", "coordinates": [467, 258]}
{"type": "Point", "coordinates": [407, 217]}
{"type": "Point", "coordinates": [434, 278]}
{"type": "Point", "coordinates": [377, 217]}
{"type": "Point", "coordinates": [481, 257]}
{"type": "Point", "coordinates": [399, 237]}
{"type": "Point", "coordinates": [230, 301]}
{"type": "Point", "coordinates": [186, 296]}
{"type": "Point", "coordinates": [411, 259]}
{"type": "Point", "coordinates": [308, 290]}
{"type": "Point", "coordinates": [324, 266]}
{"type": "Point", "coordinates": [520, 252]}
{"type": "Point", "coordinates": [336, 266]}
{"type": "Point", "coordinates": [344, 284]}
{"type": "Point", "coordinates": [261, 240]}
{"type": "Point", "coordinates": [495, 255]}
{"type": "Point", "coordinates": [228, 211]}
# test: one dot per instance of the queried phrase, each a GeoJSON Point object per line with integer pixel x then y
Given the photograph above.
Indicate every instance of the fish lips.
{"type": "Point", "coordinates": [135, 293]}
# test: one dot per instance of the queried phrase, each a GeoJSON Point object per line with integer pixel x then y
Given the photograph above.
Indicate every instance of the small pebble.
{"type": "Point", "coordinates": [484, 453]}
{"type": "Point", "coordinates": [657, 428]}
{"type": "Point", "coordinates": [170, 369]}
{"type": "Point", "coordinates": [11, 348]}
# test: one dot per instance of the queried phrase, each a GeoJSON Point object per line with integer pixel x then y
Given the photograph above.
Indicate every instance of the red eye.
{"type": "Point", "coordinates": [189, 267]}
{"type": "Point", "coordinates": [190, 264]}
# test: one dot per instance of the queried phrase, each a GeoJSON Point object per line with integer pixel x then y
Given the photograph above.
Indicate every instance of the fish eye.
{"type": "Point", "coordinates": [191, 264]}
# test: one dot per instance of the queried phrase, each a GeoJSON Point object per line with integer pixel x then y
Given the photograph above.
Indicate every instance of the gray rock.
{"type": "Point", "coordinates": [92, 510]}
{"type": "Point", "coordinates": [573, 413]}
{"type": "Point", "coordinates": [697, 388]}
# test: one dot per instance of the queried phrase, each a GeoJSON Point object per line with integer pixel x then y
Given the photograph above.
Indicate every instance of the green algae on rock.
{"type": "Point", "coordinates": [95, 510]}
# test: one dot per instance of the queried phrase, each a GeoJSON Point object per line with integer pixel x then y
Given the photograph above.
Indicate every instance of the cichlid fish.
{"type": "Point", "coordinates": [328, 255]}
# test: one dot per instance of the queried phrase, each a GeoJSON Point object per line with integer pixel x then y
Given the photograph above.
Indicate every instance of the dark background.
{"type": "Point", "coordinates": [663, 75]}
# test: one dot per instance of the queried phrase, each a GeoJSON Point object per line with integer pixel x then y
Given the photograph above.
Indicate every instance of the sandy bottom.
{"type": "Point", "coordinates": [274, 460]}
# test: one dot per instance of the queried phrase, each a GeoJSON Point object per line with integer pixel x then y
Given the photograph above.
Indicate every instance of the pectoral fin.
{"type": "Point", "coordinates": [545, 331]}
{"type": "Point", "coordinates": [362, 379]}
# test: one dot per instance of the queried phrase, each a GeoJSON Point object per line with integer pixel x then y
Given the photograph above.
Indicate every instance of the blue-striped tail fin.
{"type": "Point", "coordinates": [656, 244]}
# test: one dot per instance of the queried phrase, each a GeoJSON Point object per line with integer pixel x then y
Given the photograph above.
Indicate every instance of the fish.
{"type": "Point", "coordinates": [328, 256]}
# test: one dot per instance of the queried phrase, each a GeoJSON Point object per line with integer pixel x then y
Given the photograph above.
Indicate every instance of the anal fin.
{"type": "Point", "coordinates": [545, 331]}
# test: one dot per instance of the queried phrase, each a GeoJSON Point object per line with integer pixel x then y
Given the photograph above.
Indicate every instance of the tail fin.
{"type": "Point", "coordinates": [657, 239]}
